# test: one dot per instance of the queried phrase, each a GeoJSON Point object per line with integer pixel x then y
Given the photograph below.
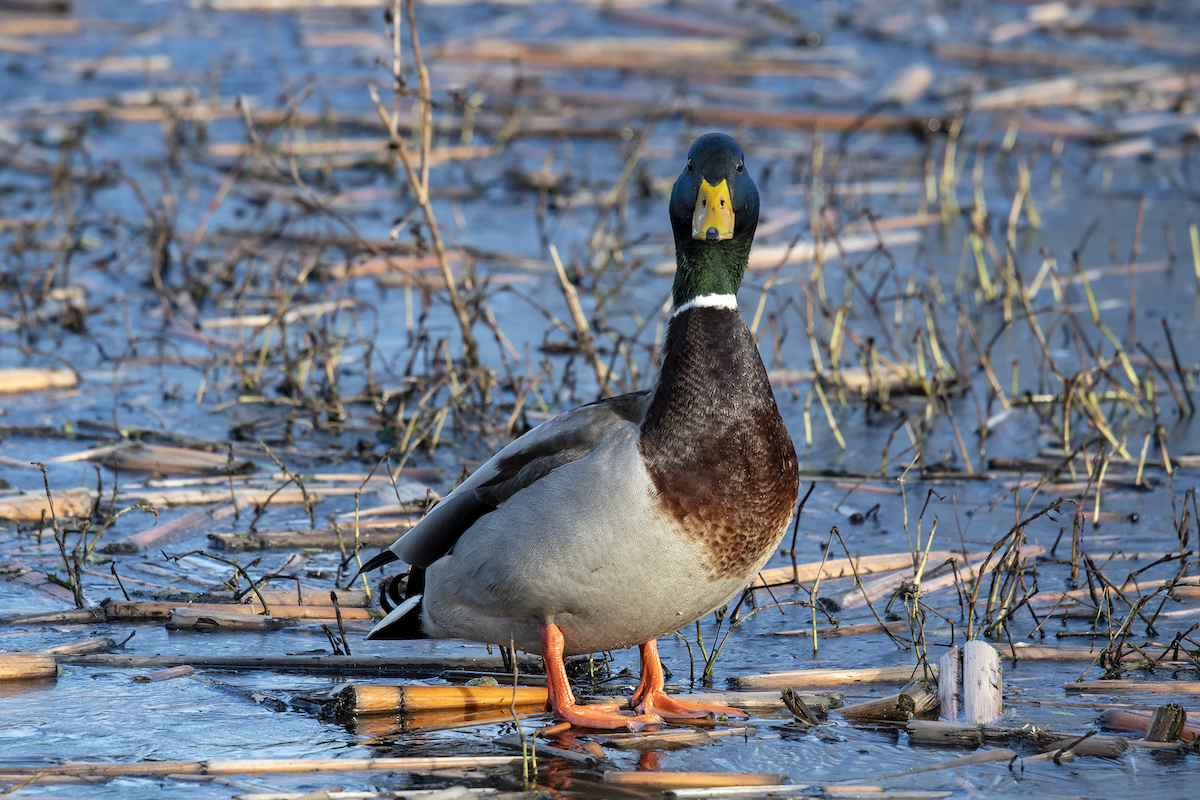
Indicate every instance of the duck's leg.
{"type": "Point", "coordinates": [562, 700]}
{"type": "Point", "coordinates": [651, 696]}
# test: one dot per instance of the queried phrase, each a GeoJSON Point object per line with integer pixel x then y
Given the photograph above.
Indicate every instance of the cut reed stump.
{"type": "Point", "coordinates": [949, 685]}
{"type": "Point", "coordinates": [981, 683]}
{"type": "Point", "coordinates": [358, 699]}
{"type": "Point", "coordinates": [14, 666]}
{"type": "Point", "coordinates": [804, 711]}
{"type": "Point", "coordinates": [913, 700]}
{"type": "Point", "coordinates": [1166, 724]}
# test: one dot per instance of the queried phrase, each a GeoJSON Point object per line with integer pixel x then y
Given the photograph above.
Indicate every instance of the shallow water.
{"type": "Point", "coordinates": [139, 370]}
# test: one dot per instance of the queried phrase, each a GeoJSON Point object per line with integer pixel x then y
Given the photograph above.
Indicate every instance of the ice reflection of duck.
{"type": "Point", "coordinates": [625, 519]}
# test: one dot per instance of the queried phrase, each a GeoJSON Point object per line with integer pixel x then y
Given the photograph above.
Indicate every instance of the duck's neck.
{"type": "Point", "coordinates": [705, 270]}
{"type": "Point", "coordinates": [712, 376]}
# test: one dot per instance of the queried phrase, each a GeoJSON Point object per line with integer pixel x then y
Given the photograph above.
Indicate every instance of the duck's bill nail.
{"type": "Point", "coordinates": [713, 218]}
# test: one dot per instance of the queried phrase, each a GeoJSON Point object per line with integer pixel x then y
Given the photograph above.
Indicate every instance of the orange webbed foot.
{"type": "Point", "coordinates": [651, 697]}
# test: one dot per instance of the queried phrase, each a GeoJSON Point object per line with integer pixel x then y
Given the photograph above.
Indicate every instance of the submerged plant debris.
{"type": "Point", "coordinates": [277, 274]}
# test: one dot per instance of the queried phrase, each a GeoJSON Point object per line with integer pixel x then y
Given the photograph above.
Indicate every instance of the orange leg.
{"type": "Point", "coordinates": [562, 701]}
{"type": "Point", "coordinates": [651, 696]}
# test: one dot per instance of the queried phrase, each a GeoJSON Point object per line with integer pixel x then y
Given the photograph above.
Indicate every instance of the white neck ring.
{"type": "Point", "coordinates": [726, 301]}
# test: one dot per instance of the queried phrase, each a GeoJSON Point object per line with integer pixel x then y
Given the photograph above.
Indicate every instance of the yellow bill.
{"type": "Point", "coordinates": [714, 209]}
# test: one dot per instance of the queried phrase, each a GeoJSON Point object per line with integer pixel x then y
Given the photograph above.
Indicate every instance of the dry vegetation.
{"type": "Point", "coordinates": [300, 288]}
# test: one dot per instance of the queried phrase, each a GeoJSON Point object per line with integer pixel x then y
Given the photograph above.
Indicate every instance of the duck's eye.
{"type": "Point", "coordinates": [689, 166]}
{"type": "Point", "coordinates": [741, 166]}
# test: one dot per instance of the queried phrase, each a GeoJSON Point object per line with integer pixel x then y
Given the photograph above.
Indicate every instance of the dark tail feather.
{"type": "Point", "coordinates": [391, 592]}
{"type": "Point", "coordinates": [403, 621]}
{"type": "Point", "coordinates": [381, 560]}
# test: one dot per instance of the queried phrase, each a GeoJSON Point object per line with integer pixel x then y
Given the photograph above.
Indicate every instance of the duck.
{"type": "Point", "coordinates": [626, 519]}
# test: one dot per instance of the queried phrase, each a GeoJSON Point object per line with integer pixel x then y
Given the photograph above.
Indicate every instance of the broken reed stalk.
{"type": "Point", "coordinates": [337, 610]}
{"type": "Point", "coordinates": [358, 545]}
{"type": "Point", "coordinates": [289, 476]}
{"type": "Point", "coordinates": [1187, 392]}
{"type": "Point", "coordinates": [73, 580]}
{"type": "Point", "coordinates": [796, 530]}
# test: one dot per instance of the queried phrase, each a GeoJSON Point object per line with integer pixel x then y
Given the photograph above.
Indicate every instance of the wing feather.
{"type": "Point", "coordinates": [568, 437]}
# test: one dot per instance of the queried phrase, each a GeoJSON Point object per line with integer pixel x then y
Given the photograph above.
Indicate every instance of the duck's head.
{"type": "Point", "coordinates": [714, 211]}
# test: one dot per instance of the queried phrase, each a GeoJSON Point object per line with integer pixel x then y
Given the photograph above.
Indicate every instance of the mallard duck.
{"type": "Point", "coordinates": [629, 518]}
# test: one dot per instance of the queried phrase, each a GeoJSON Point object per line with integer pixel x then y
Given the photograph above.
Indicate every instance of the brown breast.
{"type": "Point", "coordinates": [714, 444]}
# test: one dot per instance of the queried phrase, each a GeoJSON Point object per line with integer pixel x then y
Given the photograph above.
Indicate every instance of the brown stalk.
{"type": "Point", "coordinates": [1187, 392]}
{"type": "Point", "coordinates": [583, 333]}
{"type": "Point", "coordinates": [418, 178]}
{"type": "Point", "coordinates": [858, 582]}
{"type": "Point", "coordinates": [341, 628]}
